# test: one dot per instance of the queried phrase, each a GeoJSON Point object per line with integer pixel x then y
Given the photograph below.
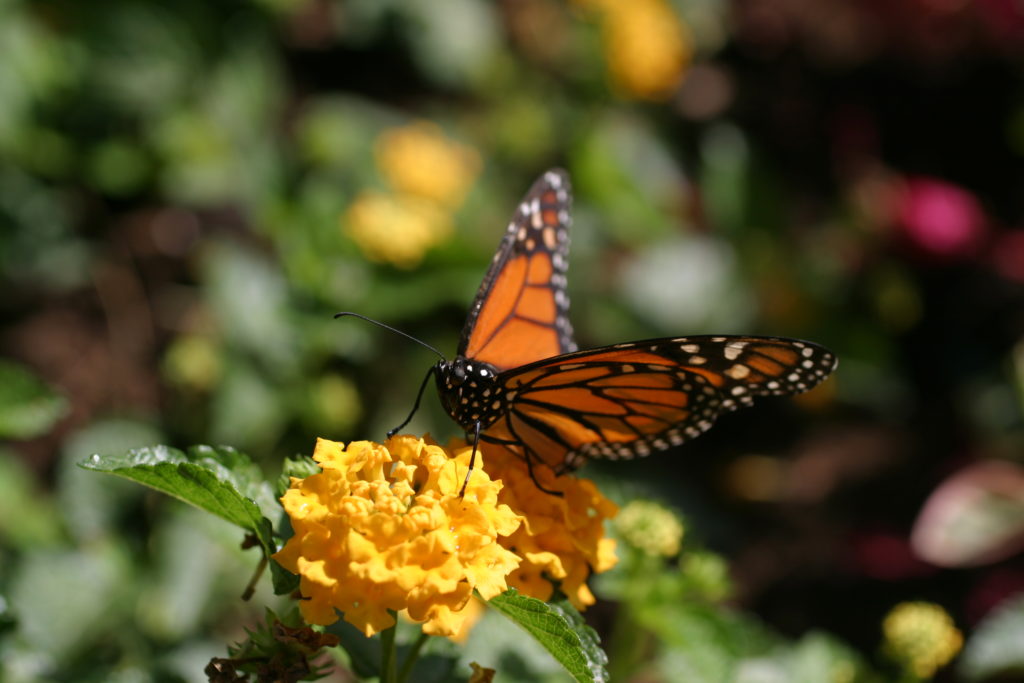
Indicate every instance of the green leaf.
{"type": "Point", "coordinates": [363, 652]}
{"type": "Point", "coordinates": [91, 506]}
{"type": "Point", "coordinates": [28, 407]}
{"type": "Point", "coordinates": [27, 518]}
{"type": "Point", "coordinates": [64, 597]}
{"type": "Point", "coordinates": [993, 650]}
{"type": "Point", "coordinates": [300, 467]}
{"type": "Point", "coordinates": [561, 630]}
{"type": "Point", "coordinates": [219, 480]}
{"type": "Point", "coordinates": [205, 477]}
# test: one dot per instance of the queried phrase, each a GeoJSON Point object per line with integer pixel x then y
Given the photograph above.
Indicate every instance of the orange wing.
{"type": "Point", "coordinates": [632, 399]}
{"type": "Point", "coordinates": [520, 314]}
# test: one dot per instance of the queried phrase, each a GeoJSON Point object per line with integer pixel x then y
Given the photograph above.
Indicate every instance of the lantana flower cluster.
{"type": "Point", "coordinates": [382, 529]}
{"type": "Point", "coordinates": [650, 527]}
{"type": "Point", "coordinates": [647, 46]}
{"type": "Point", "coordinates": [922, 636]}
{"type": "Point", "coordinates": [561, 540]}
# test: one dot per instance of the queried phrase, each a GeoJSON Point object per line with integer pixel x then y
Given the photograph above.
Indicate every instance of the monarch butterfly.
{"type": "Point", "coordinates": [519, 381]}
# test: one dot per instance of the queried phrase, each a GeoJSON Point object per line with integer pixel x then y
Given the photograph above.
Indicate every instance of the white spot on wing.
{"type": "Point", "coordinates": [733, 351]}
{"type": "Point", "coordinates": [738, 371]}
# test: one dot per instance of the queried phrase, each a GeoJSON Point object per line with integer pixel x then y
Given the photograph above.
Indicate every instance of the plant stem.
{"type": "Point", "coordinates": [387, 653]}
{"type": "Point", "coordinates": [251, 587]}
{"type": "Point", "coordinates": [410, 659]}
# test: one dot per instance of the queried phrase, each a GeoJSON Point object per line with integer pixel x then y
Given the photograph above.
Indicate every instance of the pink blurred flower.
{"type": "Point", "coordinates": [939, 218]}
{"type": "Point", "coordinates": [974, 517]}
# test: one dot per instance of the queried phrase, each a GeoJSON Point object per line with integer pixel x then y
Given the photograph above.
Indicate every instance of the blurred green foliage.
{"type": "Point", "coordinates": [27, 407]}
{"type": "Point", "coordinates": [177, 185]}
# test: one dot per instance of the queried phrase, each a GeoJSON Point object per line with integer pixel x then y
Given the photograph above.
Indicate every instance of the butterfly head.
{"type": "Point", "coordinates": [469, 391]}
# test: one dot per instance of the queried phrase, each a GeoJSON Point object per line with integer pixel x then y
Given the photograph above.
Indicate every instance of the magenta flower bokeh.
{"type": "Point", "coordinates": [941, 219]}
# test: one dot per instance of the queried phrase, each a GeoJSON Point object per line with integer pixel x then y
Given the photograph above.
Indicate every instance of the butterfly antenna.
{"type": "Point", "coordinates": [388, 327]}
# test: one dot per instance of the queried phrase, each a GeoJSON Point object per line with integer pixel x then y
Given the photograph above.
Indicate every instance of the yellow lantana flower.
{"type": "Point", "coordinates": [419, 160]}
{"type": "Point", "coordinates": [922, 636]}
{"type": "Point", "coordinates": [382, 528]}
{"type": "Point", "coordinates": [651, 527]}
{"type": "Point", "coordinates": [395, 229]}
{"type": "Point", "coordinates": [562, 538]}
{"type": "Point", "coordinates": [646, 45]}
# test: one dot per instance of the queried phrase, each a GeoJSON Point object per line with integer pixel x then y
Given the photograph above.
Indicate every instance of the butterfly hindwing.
{"type": "Point", "coordinates": [631, 399]}
{"type": "Point", "coordinates": [520, 314]}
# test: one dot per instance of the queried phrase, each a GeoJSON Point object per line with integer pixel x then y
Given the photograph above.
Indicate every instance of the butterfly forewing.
{"type": "Point", "coordinates": [631, 399]}
{"type": "Point", "coordinates": [520, 314]}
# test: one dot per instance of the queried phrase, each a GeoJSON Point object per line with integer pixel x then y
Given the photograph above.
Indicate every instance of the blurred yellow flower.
{"type": "Point", "coordinates": [332, 402]}
{"type": "Point", "coordinates": [562, 538]}
{"type": "Point", "coordinates": [646, 44]}
{"type": "Point", "coordinates": [921, 635]}
{"type": "Point", "coordinates": [193, 361]}
{"type": "Point", "coordinates": [419, 160]}
{"type": "Point", "coordinates": [651, 527]}
{"type": "Point", "coordinates": [382, 528]}
{"type": "Point", "coordinates": [395, 229]}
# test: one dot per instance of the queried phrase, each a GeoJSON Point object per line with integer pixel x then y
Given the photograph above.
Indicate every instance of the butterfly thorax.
{"type": "Point", "coordinates": [470, 392]}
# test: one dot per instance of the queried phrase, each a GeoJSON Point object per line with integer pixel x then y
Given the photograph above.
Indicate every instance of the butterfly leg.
{"type": "Point", "coordinates": [529, 456]}
{"type": "Point", "coordinates": [472, 459]}
{"type": "Point", "coordinates": [416, 406]}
